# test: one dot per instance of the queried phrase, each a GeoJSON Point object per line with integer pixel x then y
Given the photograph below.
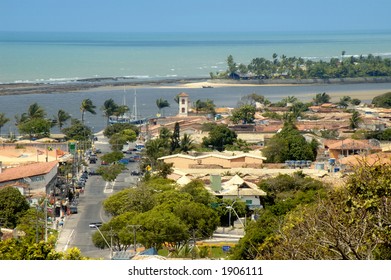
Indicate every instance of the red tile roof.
{"type": "Point", "coordinates": [35, 169]}
{"type": "Point", "coordinates": [352, 144]}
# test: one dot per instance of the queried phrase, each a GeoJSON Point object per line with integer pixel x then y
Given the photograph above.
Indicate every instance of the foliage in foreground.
{"type": "Point", "coordinates": [349, 223]}
{"type": "Point", "coordinates": [20, 249]}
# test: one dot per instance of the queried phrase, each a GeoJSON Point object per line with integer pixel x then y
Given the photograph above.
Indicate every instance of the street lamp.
{"type": "Point", "coordinates": [107, 243]}
{"type": "Point", "coordinates": [231, 208]}
{"type": "Point", "coordinates": [229, 214]}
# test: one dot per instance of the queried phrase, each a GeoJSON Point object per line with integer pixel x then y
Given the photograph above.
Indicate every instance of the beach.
{"type": "Point", "coordinates": [174, 84]}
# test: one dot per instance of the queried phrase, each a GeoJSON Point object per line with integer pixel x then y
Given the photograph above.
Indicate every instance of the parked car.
{"type": "Point", "coordinates": [136, 173]}
{"type": "Point", "coordinates": [73, 209]}
{"type": "Point", "coordinates": [98, 151]}
{"type": "Point", "coordinates": [84, 175]}
{"type": "Point", "coordinates": [124, 161]}
{"type": "Point", "coordinates": [92, 159]}
{"type": "Point", "coordinates": [95, 225]}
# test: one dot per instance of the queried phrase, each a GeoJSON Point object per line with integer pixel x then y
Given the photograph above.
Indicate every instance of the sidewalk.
{"type": "Point", "coordinates": [65, 233]}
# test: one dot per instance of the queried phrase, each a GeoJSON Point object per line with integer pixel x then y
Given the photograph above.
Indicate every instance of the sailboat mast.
{"type": "Point", "coordinates": [135, 105]}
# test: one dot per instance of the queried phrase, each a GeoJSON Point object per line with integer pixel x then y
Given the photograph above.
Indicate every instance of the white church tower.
{"type": "Point", "coordinates": [183, 104]}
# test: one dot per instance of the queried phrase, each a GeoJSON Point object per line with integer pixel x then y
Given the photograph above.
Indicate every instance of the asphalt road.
{"type": "Point", "coordinates": [76, 231]}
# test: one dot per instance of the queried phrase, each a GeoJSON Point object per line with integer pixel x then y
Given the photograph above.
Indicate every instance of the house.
{"type": "Point", "coordinates": [346, 147]}
{"type": "Point", "coordinates": [212, 160]}
{"type": "Point", "coordinates": [372, 159]}
{"type": "Point", "coordinates": [33, 178]}
{"type": "Point", "coordinates": [238, 189]}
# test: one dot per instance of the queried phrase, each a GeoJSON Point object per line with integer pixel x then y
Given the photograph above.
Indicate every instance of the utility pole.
{"type": "Point", "coordinates": [135, 228]}
{"type": "Point", "coordinates": [107, 243]}
{"type": "Point", "coordinates": [46, 218]}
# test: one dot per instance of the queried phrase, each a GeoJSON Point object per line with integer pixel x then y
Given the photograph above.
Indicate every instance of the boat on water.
{"type": "Point", "coordinates": [126, 118]}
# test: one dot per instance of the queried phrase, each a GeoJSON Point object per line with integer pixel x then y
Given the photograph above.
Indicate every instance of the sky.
{"type": "Point", "coordinates": [193, 15]}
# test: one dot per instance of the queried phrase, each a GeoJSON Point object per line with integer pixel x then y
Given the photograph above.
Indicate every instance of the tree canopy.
{"type": "Point", "coordinates": [219, 136]}
{"type": "Point", "coordinates": [289, 144]}
{"type": "Point", "coordinates": [299, 68]}
{"type": "Point", "coordinates": [13, 205]}
{"type": "Point", "coordinates": [162, 213]}
{"type": "Point", "coordinates": [383, 100]}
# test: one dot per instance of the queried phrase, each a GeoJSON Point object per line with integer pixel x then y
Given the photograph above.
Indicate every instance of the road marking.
{"type": "Point", "coordinates": [68, 241]}
{"type": "Point", "coordinates": [108, 188]}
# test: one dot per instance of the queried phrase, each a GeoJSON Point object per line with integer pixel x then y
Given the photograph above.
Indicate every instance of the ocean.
{"type": "Point", "coordinates": [61, 57]}
{"type": "Point", "coordinates": [66, 57]}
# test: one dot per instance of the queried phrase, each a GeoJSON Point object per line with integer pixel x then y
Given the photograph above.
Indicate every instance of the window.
{"type": "Point", "coordinates": [249, 202]}
{"type": "Point", "coordinates": [183, 110]}
{"type": "Point", "coordinates": [183, 101]}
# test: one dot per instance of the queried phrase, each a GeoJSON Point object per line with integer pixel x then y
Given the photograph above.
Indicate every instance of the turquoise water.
{"type": "Point", "coordinates": [61, 57]}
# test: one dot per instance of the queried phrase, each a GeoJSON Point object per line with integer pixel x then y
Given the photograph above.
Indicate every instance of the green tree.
{"type": "Point", "coordinates": [383, 100]}
{"type": "Point", "coordinates": [207, 106]}
{"type": "Point", "coordinates": [200, 219]}
{"type": "Point", "coordinates": [175, 138]}
{"type": "Point", "coordinates": [35, 112]}
{"type": "Point", "coordinates": [159, 227]}
{"type": "Point", "coordinates": [110, 173]}
{"type": "Point", "coordinates": [118, 140]}
{"type": "Point", "coordinates": [119, 127]}
{"type": "Point", "coordinates": [112, 157]}
{"type": "Point", "coordinates": [140, 199]}
{"type": "Point", "coordinates": [13, 206]}
{"type": "Point", "coordinates": [87, 106]}
{"type": "Point", "coordinates": [219, 137]}
{"type": "Point", "coordinates": [355, 101]}
{"type": "Point", "coordinates": [355, 120]}
{"type": "Point", "coordinates": [36, 126]}
{"type": "Point", "coordinates": [244, 114]}
{"type": "Point", "coordinates": [288, 144]}
{"type": "Point", "coordinates": [197, 190]}
{"type": "Point", "coordinates": [161, 104]}
{"type": "Point", "coordinates": [186, 143]}
{"type": "Point", "coordinates": [231, 65]}
{"type": "Point", "coordinates": [61, 117]}
{"type": "Point", "coordinates": [154, 149]}
{"type": "Point", "coordinates": [3, 121]}
{"type": "Point", "coordinates": [118, 231]}
{"type": "Point", "coordinates": [321, 98]}
{"type": "Point", "coordinates": [109, 108]}
{"type": "Point", "coordinates": [77, 131]}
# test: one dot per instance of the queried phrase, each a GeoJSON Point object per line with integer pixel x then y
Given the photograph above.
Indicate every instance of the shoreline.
{"type": "Point", "coordinates": [177, 83]}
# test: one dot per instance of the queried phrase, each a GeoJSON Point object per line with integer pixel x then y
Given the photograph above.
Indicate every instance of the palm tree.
{"type": "Point", "coordinates": [109, 107]}
{"type": "Point", "coordinates": [321, 98]}
{"type": "Point", "coordinates": [61, 118]}
{"type": "Point", "coordinates": [3, 121]}
{"type": "Point", "coordinates": [160, 103]}
{"type": "Point", "coordinates": [289, 99]}
{"type": "Point", "coordinates": [355, 120]}
{"type": "Point", "coordinates": [87, 106]}
{"type": "Point", "coordinates": [186, 144]}
{"type": "Point", "coordinates": [35, 112]}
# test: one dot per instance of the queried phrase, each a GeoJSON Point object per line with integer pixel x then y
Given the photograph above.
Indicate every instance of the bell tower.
{"type": "Point", "coordinates": [183, 104]}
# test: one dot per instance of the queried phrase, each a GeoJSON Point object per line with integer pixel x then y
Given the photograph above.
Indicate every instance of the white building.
{"type": "Point", "coordinates": [183, 104]}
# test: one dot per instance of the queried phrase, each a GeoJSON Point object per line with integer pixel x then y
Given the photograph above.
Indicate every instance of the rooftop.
{"type": "Point", "coordinates": [29, 170]}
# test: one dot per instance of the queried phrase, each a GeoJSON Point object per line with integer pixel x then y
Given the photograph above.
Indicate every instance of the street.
{"type": "Point", "coordinates": [76, 231]}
